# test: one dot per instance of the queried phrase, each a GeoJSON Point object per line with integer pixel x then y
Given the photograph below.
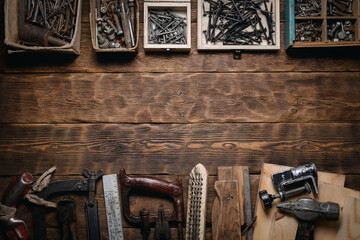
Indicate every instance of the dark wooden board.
{"type": "Point", "coordinates": [176, 148]}
{"type": "Point", "coordinates": [179, 97]}
{"type": "Point", "coordinates": [161, 113]}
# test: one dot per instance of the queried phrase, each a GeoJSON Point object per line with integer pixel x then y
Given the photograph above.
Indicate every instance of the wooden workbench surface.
{"type": "Point", "coordinates": [162, 113]}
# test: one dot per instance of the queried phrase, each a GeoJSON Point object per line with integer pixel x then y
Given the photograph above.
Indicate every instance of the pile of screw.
{"type": "Point", "coordinates": [308, 31]}
{"type": "Point", "coordinates": [166, 28]}
{"type": "Point", "coordinates": [307, 8]}
{"type": "Point", "coordinates": [56, 16]}
{"type": "Point", "coordinates": [115, 23]}
{"type": "Point", "coordinates": [339, 7]}
{"type": "Point", "coordinates": [238, 22]}
{"type": "Point", "coordinates": [340, 31]}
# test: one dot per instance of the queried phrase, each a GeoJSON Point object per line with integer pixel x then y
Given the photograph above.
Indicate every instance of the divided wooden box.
{"type": "Point", "coordinates": [93, 29]}
{"type": "Point", "coordinates": [11, 13]}
{"type": "Point", "coordinates": [179, 7]}
{"type": "Point", "coordinates": [202, 25]}
{"type": "Point", "coordinates": [325, 20]}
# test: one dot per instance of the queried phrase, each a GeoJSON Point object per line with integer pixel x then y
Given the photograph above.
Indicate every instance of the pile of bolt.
{"type": "Point", "coordinates": [308, 31]}
{"type": "Point", "coordinates": [56, 16]}
{"type": "Point", "coordinates": [239, 22]}
{"type": "Point", "coordinates": [340, 31]}
{"type": "Point", "coordinates": [166, 28]}
{"type": "Point", "coordinates": [115, 23]}
{"type": "Point", "coordinates": [339, 7]}
{"type": "Point", "coordinates": [307, 8]}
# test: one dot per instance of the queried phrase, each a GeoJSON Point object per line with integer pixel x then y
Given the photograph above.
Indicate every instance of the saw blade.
{"type": "Point", "coordinates": [112, 205]}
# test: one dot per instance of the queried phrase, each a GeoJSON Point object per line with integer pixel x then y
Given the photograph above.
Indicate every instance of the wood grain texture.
{"type": "Point", "coordinates": [179, 98]}
{"type": "Point", "coordinates": [226, 222]}
{"type": "Point", "coordinates": [232, 173]}
{"type": "Point", "coordinates": [326, 230]}
{"type": "Point", "coordinates": [266, 227]}
{"type": "Point", "coordinates": [93, 111]}
{"type": "Point", "coordinates": [350, 229]}
{"type": "Point", "coordinates": [176, 148]}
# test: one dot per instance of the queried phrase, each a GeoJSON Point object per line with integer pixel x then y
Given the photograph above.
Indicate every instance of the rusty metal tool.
{"type": "Point", "coordinates": [74, 186]}
{"type": "Point", "coordinates": [34, 34]}
{"type": "Point", "coordinates": [291, 182]}
{"type": "Point", "coordinates": [162, 229]}
{"type": "Point", "coordinates": [307, 211]}
{"type": "Point", "coordinates": [152, 185]}
{"type": "Point", "coordinates": [15, 228]}
{"type": "Point", "coordinates": [66, 212]}
{"type": "Point", "coordinates": [126, 24]}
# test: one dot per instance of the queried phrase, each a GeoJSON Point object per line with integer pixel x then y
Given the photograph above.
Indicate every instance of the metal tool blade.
{"type": "Point", "coordinates": [93, 224]}
{"type": "Point", "coordinates": [112, 205]}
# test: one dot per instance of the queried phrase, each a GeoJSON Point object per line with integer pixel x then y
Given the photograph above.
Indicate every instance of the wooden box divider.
{"type": "Point", "coordinates": [291, 20]}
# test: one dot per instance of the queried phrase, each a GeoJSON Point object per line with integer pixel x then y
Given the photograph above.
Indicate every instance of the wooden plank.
{"type": "Point", "coordinates": [350, 229]}
{"type": "Point", "coordinates": [179, 98]}
{"type": "Point", "coordinates": [318, 60]}
{"type": "Point", "coordinates": [176, 148]}
{"type": "Point", "coordinates": [226, 222]}
{"type": "Point", "coordinates": [265, 227]}
{"type": "Point", "coordinates": [230, 173]}
{"type": "Point", "coordinates": [326, 230]}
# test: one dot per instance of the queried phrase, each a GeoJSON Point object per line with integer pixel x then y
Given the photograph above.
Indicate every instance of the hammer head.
{"type": "Point", "coordinates": [308, 209]}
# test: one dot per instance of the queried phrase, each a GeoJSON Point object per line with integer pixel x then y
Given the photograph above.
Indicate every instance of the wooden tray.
{"type": "Point", "coordinates": [93, 31]}
{"type": "Point", "coordinates": [182, 8]}
{"type": "Point", "coordinates": [202, 23]}
{"type": "Point", "coordinates": [11, 12]}
{"type": "Point", "coordinates": [291, 19]}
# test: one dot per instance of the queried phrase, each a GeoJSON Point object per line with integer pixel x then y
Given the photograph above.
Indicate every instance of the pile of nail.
{"type": "Point", "coordinates": [339, 7]}
{"type": "Point", "coordinates": [56, 16]}
{"type": "Point", "coordinates": [307, 8]}
{"type": "Point", "coordinates": [166, 28]}
{"type": "Point", "coordinates": [308, 31]}
{"type": "Point", "coordinates": [340, 31]}
{"type": "Point", "coordinates": [239, 22]}
{"type": "Point", "coordinates": [115, 23]}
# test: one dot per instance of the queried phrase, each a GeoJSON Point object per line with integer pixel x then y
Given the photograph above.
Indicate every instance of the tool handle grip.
{"type": "Point", "coordinates": [305, 230]}
{"type": "Point", "coordinates": [16, 230]}
{"type": "Point", "coordinates": [17, 189]}
{"type": "Point", "coordinates": [151, 184]}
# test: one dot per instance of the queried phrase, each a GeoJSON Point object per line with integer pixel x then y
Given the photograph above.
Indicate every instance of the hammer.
{"type": "Point", "coordinates": [307, 211]}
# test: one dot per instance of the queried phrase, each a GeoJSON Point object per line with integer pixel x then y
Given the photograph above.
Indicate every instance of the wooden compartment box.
{"type": "Point", "coordinates": [202, 27]}
{"type": "Point", "coordinates": [180, 8]}
{"type": "Point", "coordinates": [93, 29]}
{"type": "Point", "coordinates": [326, 22]}
{"type": "Point", "coordinates": [11, 13]}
